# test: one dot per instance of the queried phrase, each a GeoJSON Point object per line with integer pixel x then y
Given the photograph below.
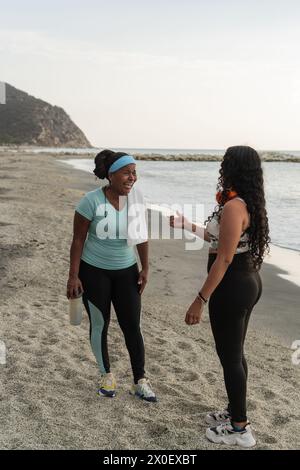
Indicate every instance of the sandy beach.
{"type": "Point", "coordinates": [48, 386]}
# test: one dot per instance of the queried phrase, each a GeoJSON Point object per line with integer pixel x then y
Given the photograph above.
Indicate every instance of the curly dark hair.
{"type": "Point", "coordinates": [104, 160]}
{"type": "Point", "coordinates": [241, 171]}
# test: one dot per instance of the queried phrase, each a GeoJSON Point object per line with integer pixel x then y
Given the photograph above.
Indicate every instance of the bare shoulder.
{"type": "Point", "coordinates": [233, 210]}
{"type": "Point", "coordinates": [234, 206]}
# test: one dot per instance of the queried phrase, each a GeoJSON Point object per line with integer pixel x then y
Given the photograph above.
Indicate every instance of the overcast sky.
{"type": "Point", "coordinates": [161, 73]}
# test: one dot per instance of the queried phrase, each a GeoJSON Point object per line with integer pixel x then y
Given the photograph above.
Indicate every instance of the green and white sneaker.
{"type": "Point", "coordinates": [143, 390]}
{"type": "Point", "coordinates": [226, 434]}
{"type": "Point", "coordinates": [108, 385]}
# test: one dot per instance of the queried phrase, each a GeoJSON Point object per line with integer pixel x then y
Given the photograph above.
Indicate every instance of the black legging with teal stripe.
{"type": "Point", "coordinates": [230, 307]}
{"type": "Point", "coordinates": [119, 287]}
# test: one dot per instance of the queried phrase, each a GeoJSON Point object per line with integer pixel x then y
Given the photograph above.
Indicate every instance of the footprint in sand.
{"type": "Point", "coordinates": [32, 335]}
{"type": "Point", "coordinates": [167, 390]}
{"type": "Point", "coordinates": [160, 341]}
{"type": "Point", "coordinates": [114, 358]}
{"type": "Point", "coordinates": [42, 352]}
{"type": "Point", "coordinates": [156, 370]}
{"type": "Point", "coordinates": [4, 224]}
{"type": "Point", "coordinates": [49, 341]}
{"type": "Point", "coordinates": [280, 420]}
{"type": "Point", "coordinates": [7, 177]}
{"type": "Point", "coordinates": [267, 439]}
{"type": "Point", "coordinates": [185, 346]}
{"type": "Point", "coordinates": [268, 394]}
{"type": "Point", "coordinates": [38, 364]}
{"type": "Point", "coordinates": [16, 444]}
{"type": "Point", "coordinates": [201, 340]}
{"type": "Point", "coordinates": [69, 374]}
{"type": "Point", "coordinates": [157, 430]}
{"type": "Point", "coordinates": [23, 315]}
{"type": "Point", "coordinates": [10, 198]}
{"type": "Point", "coordinates": [251, 405]}
{"type": "Point", "coordinates": [210, 376]}
{"type": "Point", "coordinates": [37, 304]}
{"type": "Point", "coordinates": [190, 376]}
{"type": "Point", "coordinates": [285, 373]}
{"type": "Point", "coordinates": [190, 407]}
{"type": "Point", "coordinates": [24, 341]}
{"type": "Point", "coordinates": [179, 370]}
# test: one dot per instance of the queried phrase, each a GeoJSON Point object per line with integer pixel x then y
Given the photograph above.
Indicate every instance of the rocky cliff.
{"type": "Point", "coordinates": [25, 120]}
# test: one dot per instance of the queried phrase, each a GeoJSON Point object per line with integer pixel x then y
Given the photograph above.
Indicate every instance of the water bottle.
{"type": "Point", "coordinates": [75, 310]}
{"type": "Point", "coordinates": [2, 353]}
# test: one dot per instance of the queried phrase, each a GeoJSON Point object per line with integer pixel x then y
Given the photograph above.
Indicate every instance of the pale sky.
{"type": "Point", "coordinates": [161, 73]}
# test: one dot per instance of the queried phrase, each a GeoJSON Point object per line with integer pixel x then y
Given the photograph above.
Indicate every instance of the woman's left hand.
{"type": "Point", "coordinates": [194, 313]}
{"type": "Point", "coordinates": [143, 278]}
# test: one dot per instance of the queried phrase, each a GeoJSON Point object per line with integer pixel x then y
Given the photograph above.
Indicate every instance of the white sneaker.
{"type": "Point", "coordinates": [225, 434]}
{"type": "Point", "coordinates": [108, 385]}
{"type": "Point", "coordinates": [143, 390]}
{"type": "Point", "coordinates": [218, 417]}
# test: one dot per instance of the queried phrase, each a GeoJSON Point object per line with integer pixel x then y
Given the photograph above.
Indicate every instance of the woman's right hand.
{"type": "Point", "coordinates": [179, 221]}
{"type": "Point", "coordinates": [74, 287]}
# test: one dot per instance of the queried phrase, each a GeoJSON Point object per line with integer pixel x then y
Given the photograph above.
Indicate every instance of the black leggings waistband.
{"type": "Point", "coordinates": [240, 262]}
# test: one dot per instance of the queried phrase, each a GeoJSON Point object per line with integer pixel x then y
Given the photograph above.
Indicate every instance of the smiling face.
{"type": "Point", "coordinates": [123, 179]}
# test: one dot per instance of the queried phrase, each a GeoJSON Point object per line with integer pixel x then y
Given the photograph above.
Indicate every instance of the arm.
{"type": "Point", "coordinates": [80, 229]}
{"type": "Point", "coordinates": [230, 231]}
{"type": "Point", "coordinates": [179, 221]}
{"type": "Point", "coordinates": [143, 249]}
{"type": "Point", "coordinates": [199, 232]}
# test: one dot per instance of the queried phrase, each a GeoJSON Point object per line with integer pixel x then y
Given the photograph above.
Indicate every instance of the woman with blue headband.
{"type": "Point", "coordinates": [103, 266]}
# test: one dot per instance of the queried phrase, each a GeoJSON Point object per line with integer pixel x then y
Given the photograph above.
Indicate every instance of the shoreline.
{"type": "Point", "coordinates": [193, 156]}
{"type": "Point", "coordinates": [48, 387]}
{"type": "Point", "coordinates": [282, 258]}
{"type": "Point", "coordinates": [277, 291]}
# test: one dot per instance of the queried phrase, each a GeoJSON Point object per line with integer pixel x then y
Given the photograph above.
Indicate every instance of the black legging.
{"type": "Point", "coordinates": [230, 307]}
{"type": "Point", "coordinates": [120, 287]}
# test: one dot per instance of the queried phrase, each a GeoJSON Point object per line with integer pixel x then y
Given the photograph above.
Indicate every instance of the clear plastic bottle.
{"type": "Point", "coordinates": [75, 310]}
{"type": "Point", "coordinates": [2, 353]}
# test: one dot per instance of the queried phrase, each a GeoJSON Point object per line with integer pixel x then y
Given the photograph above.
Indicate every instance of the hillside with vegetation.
{"type": "Point", "coordinates": [26, 120]}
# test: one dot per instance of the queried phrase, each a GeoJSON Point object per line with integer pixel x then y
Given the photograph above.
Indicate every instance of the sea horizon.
{"type": "Point", "coordinates": [282, 256]}
{"type": "Point", "coordinates": [142, 150]}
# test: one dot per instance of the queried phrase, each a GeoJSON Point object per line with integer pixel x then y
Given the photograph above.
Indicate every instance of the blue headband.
{"type": "Point", "coordinates": [122, 161]}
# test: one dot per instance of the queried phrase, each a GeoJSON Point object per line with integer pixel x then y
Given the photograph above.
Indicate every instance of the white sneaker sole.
{"type": "Point", "coordinates": [231, 440]}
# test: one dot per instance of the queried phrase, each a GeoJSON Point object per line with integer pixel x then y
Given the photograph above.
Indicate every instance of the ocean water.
{"type": "Point", "coordinates": [193, 183]}
{"type": "Point", "coordinates": [220, 152]}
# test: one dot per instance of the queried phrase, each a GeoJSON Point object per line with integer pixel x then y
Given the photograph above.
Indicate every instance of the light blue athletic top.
{"type": "Point", "coordinates": [106, 243]}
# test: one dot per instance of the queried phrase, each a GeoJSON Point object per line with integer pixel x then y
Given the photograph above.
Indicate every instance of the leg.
{"type": "Point", "coordinates": [228, 338]}
{"type": "Point", "coordinates": [247, 318]}
{"type": "Point", "coordinates": [245, 328]}
{"type": "Point", "coordinates": [244, 361]}
{"type": "Point", "coordinates": [127, 303]}
{"type": "Point", "coordinates": [97, 300]}
{"type": "Point", "coordinates": [230, 307]}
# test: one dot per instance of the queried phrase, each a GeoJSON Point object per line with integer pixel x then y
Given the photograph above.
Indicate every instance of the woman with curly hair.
{"type": "Point", "coordinates": [238, 234]}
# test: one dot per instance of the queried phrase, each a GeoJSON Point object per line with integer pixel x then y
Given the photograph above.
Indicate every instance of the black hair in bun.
{"type": "Point", "coordinates": [104, 160]}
